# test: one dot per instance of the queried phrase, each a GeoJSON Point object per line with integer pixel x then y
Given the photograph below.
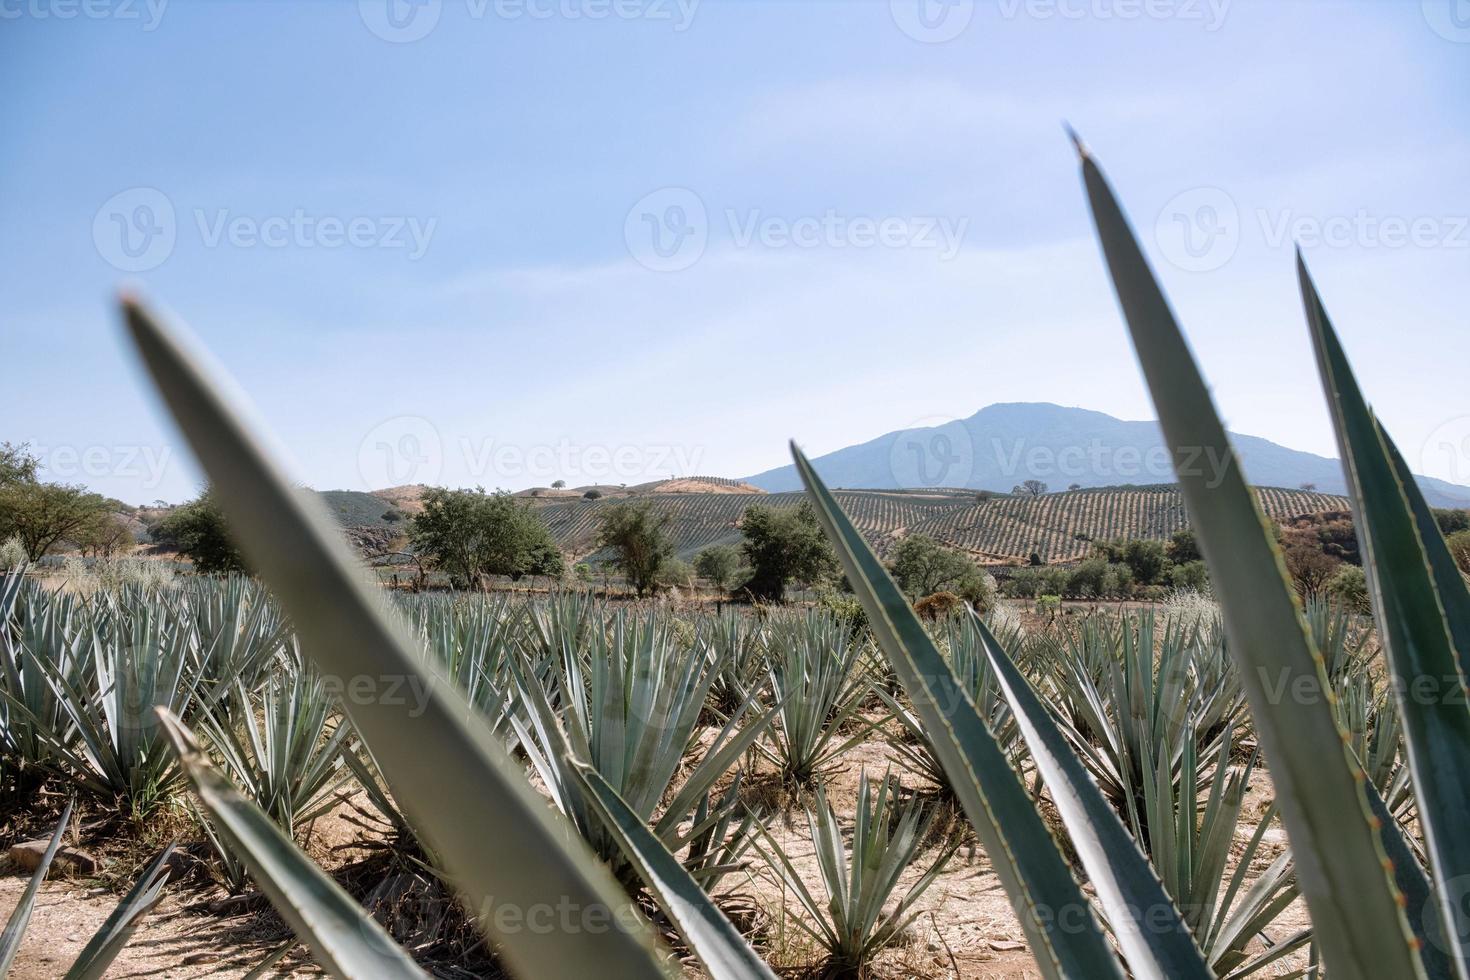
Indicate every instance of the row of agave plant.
{"type": "Point", "coordinates": [1144, 796]}
{"type": "Point", "coordinates": [668, 712]}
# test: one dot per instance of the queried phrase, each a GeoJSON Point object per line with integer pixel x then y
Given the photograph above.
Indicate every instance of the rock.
{"type": "Point", "coordinates": [28, 854]}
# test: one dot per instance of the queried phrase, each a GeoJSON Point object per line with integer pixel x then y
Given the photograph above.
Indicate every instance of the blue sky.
{"type": "Point", "coordinates": [610, 240]}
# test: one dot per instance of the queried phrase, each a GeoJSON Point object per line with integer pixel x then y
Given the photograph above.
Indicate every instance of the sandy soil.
{"type": "Point", "coordinates": [966, 928]}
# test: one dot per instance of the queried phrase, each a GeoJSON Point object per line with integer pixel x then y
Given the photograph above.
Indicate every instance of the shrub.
{"type": "Point", "coordinates": [12, 553]}
{"type": "Point", "coordinates": [719, 564]}
{"type": "Point", "coordinates": [639, 541]}
{"type": "Point", "coordinates": [674, 573]}
{"type": "Point", "coordinates": [1459, 544]}
{"type": "Point", "coordinates": [199, 531]}
{"type": "Point", "coordinates": [923, 566]}
{"type": "Point", "coordinates": [469, 534]}
{"type": "Point", "coordinates": [1350, 587]}
{"type": "Point", "coordinates": [1192, 575]}
{"type": "Point", "coordinates": [938, 605]}
{"type": "Point", "coordinates": [784, 547]}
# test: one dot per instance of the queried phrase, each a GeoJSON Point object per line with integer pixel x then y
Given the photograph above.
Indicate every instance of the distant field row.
{"type": "Point", "coordinates": [1058, 526]}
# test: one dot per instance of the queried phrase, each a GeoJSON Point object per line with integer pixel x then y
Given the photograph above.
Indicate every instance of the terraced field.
{"type": "Point", "coordinates": [998, 529]}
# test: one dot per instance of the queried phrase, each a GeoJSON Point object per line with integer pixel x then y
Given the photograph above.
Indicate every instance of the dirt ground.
{"type": "Point", "coordinates": [966, 927]}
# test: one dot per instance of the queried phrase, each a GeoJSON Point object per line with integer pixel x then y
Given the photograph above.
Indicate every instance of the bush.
{"type": "Point", "coordinates": [1459, 545]}
{"type": "Point", "coordinates": [592, 495]}
{"type": "Point", "coordinates": [674, 573]}
{"type": "Point", "coordinates": [1192, 575]}
{"type": "Point", "coordinates": [469, 534]}
{"type": "Point", "coordinates": [1350, 587]}
{"type": "Point", "coordinates": [12, 553]}
{"type": "Point", "coordinates": [1452, 520]}
{"type": "Point", "coordinates": [938, 605]}
{"type": "Point", "coordinates": [639, 541]}
{"type": "Point", "coordinates": [923, 566]}
{"type": "Point", "coordinates": [784, 547]}
{"type": "Point", "coordinates": [719, 564]}
{"type": "Point", "coordinates": [199, 532]}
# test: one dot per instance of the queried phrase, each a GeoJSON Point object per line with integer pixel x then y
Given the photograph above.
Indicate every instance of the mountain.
{"type": "Point", "coordinates": [1006, 444]}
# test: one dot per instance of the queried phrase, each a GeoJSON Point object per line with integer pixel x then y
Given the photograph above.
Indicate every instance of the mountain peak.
{"type": "Point", "coordinates": [1007, 443]}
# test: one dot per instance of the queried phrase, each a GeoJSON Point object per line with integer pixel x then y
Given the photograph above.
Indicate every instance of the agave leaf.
{"type": "Point", "coordinates": [448, 772]}
{"type": "Point", "coordinates": [343, 937]}
{"type": "Point", "coordinates": [1053, 911]}
{"type": "Point", "coordinates": [1411, 620]}
{"type": "Point", "coordinates": [1359, 927]}
{"type": "Point", "coordinates": [712, 937]}
{"type": "Point", "coordinates": [20, 917]}
{"type": "Point", "coordinates": [114, 934]}
{"type": "Point", "coordinates": [1154, 938]}
{"type": "Point", "coordinates": [1418, 892]}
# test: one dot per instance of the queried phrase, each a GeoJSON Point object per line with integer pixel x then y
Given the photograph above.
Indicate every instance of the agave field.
{"type": "Point", "coordinates": [996, 528]}
{"type": "Point", "coordinates": [1257, 789]}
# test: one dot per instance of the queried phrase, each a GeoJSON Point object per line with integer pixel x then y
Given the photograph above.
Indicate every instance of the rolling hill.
{"type": "Point", "coordinates": [994, 529]}
{"type": "Point", "coordinates": [1005, 444]}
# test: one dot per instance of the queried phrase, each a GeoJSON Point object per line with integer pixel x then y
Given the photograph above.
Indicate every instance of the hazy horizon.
{"type": "Point", "coordinates": [694, 230]}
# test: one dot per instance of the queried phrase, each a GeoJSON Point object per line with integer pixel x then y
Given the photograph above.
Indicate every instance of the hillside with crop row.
{"type": "Point", "coordinates": [998, 529]}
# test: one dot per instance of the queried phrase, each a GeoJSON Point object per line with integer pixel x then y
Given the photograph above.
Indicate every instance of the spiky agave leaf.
{"type": "Point", "coordinates": [1410, 604]}
{"type": "Point", "coordinates": [470, 801]}
{"type": "Point", "coordinates": [856, 921]}
{"type": "Point", "coordinates": [20, 916]}
{"type": "Point", "coordinates": [340, 933]}
{"type": "Point", "coordinates": [1318, 782]}
{"type": "Point", "coordinates": [717, 943]}
{"type": "Point", "coordinates": [1054, 913]}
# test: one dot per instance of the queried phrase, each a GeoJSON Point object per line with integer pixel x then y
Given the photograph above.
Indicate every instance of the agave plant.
{"type": "Point", "coordinates": [1371, 917]}
{"type": "Point", "coordinates": [740, 663]}
{"type": "Point", "coordinates": [1140, 720]}
{"type": "Point", "coordinates": [914, 748]}
{"type": "Point", "coordinates": [627, 704]}
{"type": "Point", "coordinates": [41, 635]}
{"type": "Point", "coordinates": [855, 920]}
{"type": "Point", "coordinates": [283, 747]}
{"type": "Point", "coordinates": [816, 677]}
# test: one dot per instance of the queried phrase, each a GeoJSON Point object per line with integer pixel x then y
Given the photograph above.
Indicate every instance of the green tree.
{"type": "Point", "coordinates": [784, 547]}
{"type": "Point", "coordinates": [42, 515]}
{"type": "Point", "coordinates": [469, 534]}
{"type": "Point", "coordinates": [1451, 520]}
{"type": "Point", "coordinates": [639, 540]}
{"type": "Point", "coordinates": [923, 566]}
{"type": "Point", "coordinates": [674, 573]}
{"type": "Point", "coordinates": [1459, 545]}
{"type": "Point", "coordinates": [1350, 587]}
{"type": "Point", "coordinates": [1146, 558]}
{"type": "Point", "coordinates": [718, 564]}
{"type": "Point", "coordinates": [104, 536]}
{"type": "Point", "coordinates": [17, 464]}
{"type": "Point", "coordinates": [199, 532]}
{"type": "Point", "coordinates": [1183, 548]}
{"type": "Point", "coordinates": [1190, 575]}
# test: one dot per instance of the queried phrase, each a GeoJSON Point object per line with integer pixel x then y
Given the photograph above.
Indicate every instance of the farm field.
{"type": "Point", "coordinates": [961, 925]}
{"type": "Point", "coordinates": [992, 528]}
